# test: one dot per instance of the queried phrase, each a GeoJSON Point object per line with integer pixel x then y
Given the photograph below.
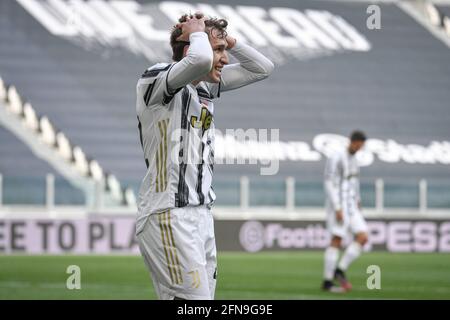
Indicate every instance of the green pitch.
{"type": "Point", "coordinates": [241, 276]}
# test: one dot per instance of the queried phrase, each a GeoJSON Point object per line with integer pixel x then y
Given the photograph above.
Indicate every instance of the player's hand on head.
{"type": "Point", "coordinates": [193, 23]}
{"type": "Point", "coordinates": [339, 216]}
{"type": "Point", "coordinates": [231, 42]}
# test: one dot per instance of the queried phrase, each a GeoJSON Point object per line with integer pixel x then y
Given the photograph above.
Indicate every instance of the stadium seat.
{"type": "Point", "coordinates": [433, 14]}
{"type": "Point", "coordinates": [130, 198]}
{"type": "Point", "coordinates": [95, 170]}
{"type": "Point", "coordinates": [447, 25]}
{"type": "Point", "coordinates": [81, 162]}
{"type": "Point", "coordinates": [64, 148]}
{"type": "Point", "coordinates": [30, 118]}
{"type": "Point", "coordinates": [113, 186]}
{"type": "Point", "coordinates": [14, 101]}
{"type": "Point", "coordinates": [47, 131]}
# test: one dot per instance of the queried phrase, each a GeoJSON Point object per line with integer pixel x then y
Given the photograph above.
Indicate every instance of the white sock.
{"type": "Point", "coordinates": [331, 258]}
{"type": "Point", "coordinates": [352, 252]}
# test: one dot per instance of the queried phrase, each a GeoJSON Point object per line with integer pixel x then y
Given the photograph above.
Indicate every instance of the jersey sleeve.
{"type": "Point", "coordinates": [159, 84]}
{"type": "Point", "coordinates": [252, 66]}
{"type": "Point", "coordinates": [151, 87]}
{"type": "Point", "coordinates": [332, 178]}
{"type": "Point", "coordinates": [197, 62]}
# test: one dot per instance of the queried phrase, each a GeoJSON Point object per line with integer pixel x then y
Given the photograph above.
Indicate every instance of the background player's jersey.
{"type": "Point", "coordinates": [176, 125]}
{"type": "Point", "coordinates": [342, 181]}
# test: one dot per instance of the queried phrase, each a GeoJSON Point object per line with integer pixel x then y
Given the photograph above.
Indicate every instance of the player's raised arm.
{"type": "Point", "coordinates": [331, 181]}
{"type": "Point", "coordinates": [252, 66]}
{"type": "Point", "coordinates": [199, 56]}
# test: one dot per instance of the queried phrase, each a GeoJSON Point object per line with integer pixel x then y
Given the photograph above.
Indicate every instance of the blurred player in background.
{"type": "Point", "coordinates": [175, 111]}
{"type": "Point", "coordinates": [343, 213]}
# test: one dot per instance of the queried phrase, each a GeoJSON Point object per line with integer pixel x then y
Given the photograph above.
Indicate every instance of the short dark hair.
{"type": "Point", "coordinates": [211, 23]}
{"type": "Point", "coordinates": [358, 135]}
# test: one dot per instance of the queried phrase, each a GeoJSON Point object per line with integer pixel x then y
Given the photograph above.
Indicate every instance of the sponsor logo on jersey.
{"type": "Point", "coordinates": [203, 121]}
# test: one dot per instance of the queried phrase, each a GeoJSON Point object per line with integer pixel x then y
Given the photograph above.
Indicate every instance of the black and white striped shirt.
{"type": "Point", "coordinates": [176, 124]}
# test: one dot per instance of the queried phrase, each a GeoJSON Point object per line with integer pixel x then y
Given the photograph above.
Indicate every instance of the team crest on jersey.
{"type": "Point", "coordinates": [204, 120]}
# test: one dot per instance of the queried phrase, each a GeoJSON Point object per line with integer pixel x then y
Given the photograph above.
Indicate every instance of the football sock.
{"type": "Point", "coordinates": [352, 252]}
{"type": "Point", "coordinates": [331, 258]}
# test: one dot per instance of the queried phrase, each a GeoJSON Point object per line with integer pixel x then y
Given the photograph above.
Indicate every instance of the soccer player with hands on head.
{"type": "Point", "coordinates": [174, 227]}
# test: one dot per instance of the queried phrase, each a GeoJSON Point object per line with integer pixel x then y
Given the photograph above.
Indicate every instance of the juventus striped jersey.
{"type": "Point", "coordinates": [342, 181]}
{"type": "Point", "coordinates": [176, 124]}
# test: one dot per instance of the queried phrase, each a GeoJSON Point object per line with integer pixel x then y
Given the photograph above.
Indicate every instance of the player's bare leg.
{"type": "Point", "coordinates": [352, 252]}
{"type": "Point", "coordinates": [331, 259]}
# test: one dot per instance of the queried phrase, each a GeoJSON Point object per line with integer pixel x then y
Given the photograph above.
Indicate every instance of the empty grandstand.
{"type": "Point", "coordinates": [77, 63]}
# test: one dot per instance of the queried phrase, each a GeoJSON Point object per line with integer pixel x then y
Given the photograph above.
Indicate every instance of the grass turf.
{"type": "Point", "coordinates": [269, 275]}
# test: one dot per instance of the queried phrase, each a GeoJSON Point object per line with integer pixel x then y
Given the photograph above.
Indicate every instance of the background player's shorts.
{"type": "Point", "coordinates": [179, 249]}
{"type": "Point", "coordinates": [353, 221]}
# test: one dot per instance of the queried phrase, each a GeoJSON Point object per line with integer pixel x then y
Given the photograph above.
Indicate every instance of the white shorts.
{"type": "Point", "coordinates": [179, 249]}
{"type": "Point", "coordinates": [353, 221]}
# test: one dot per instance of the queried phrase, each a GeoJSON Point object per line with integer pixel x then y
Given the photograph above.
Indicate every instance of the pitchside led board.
{"type": "Point", "coordinates": [116, 235]}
